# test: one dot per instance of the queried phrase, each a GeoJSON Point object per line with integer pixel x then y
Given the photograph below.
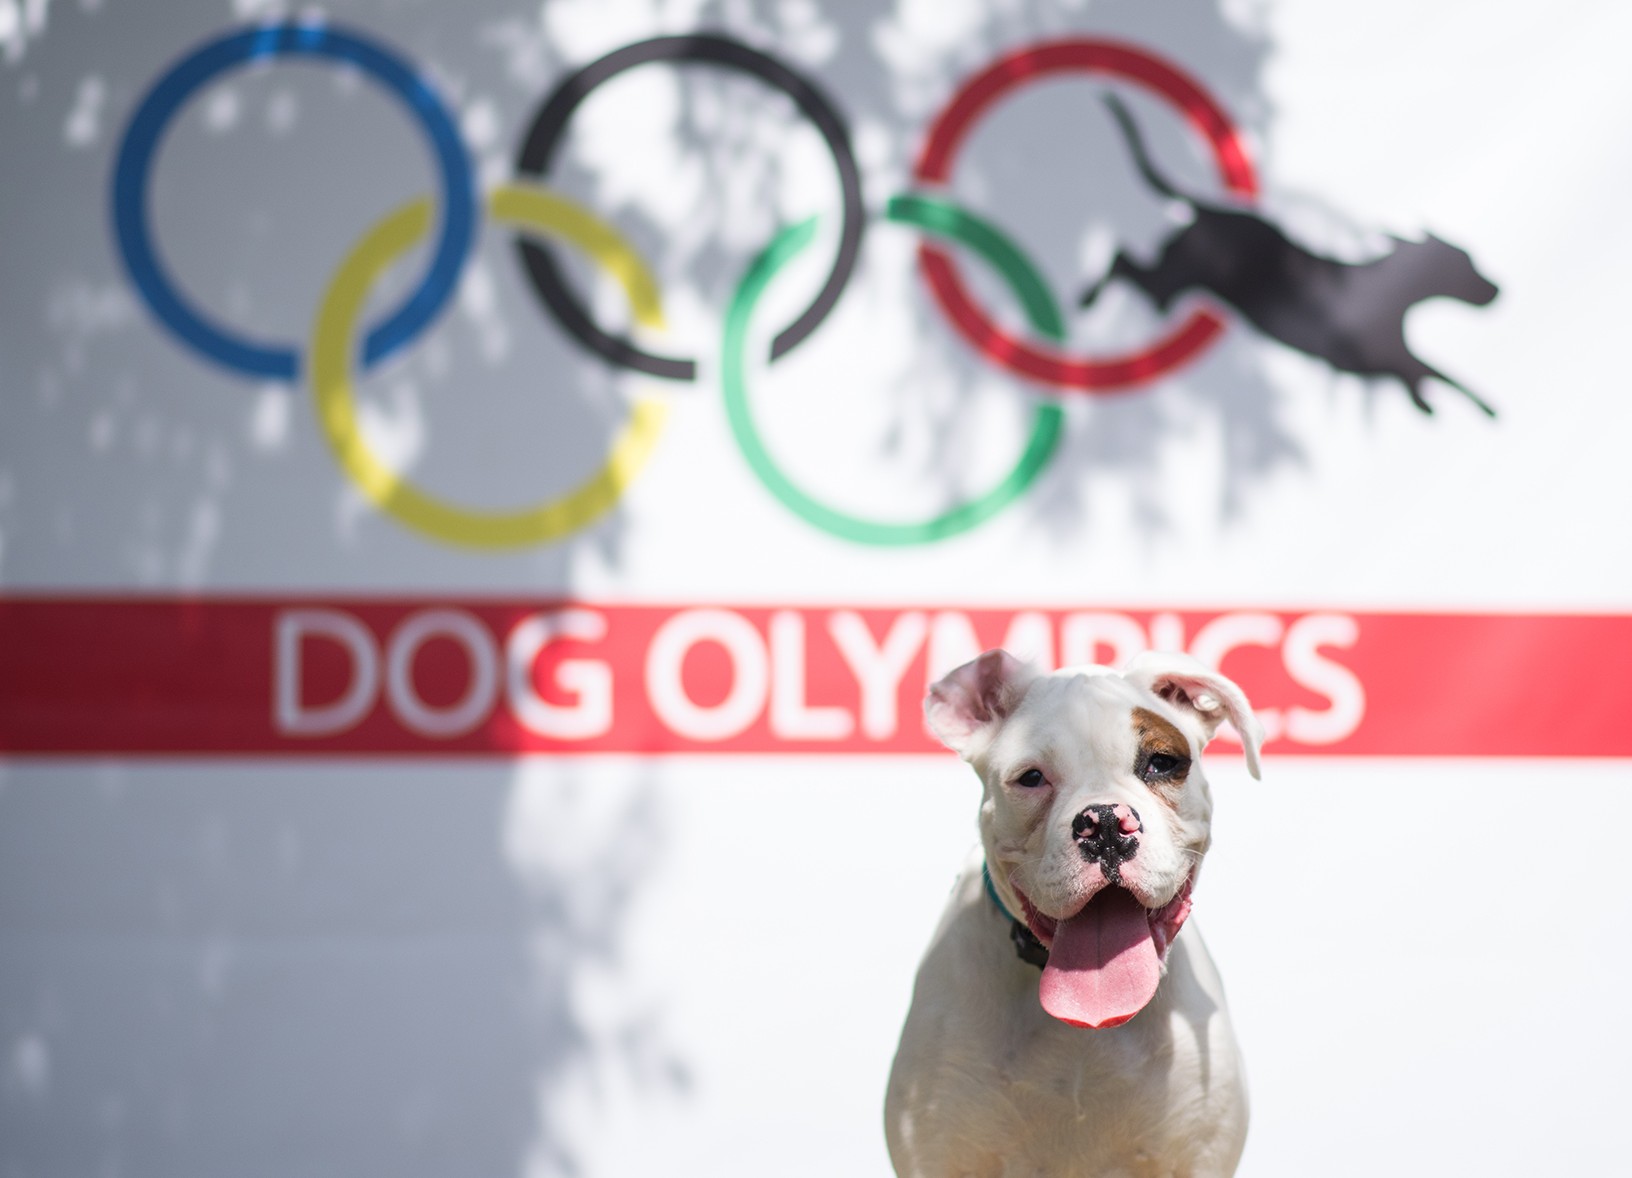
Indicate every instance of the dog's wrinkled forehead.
{"type": "Point", "coordinates": [995, 704]}
{"type": "Point", "coordinates": [1083, 713]}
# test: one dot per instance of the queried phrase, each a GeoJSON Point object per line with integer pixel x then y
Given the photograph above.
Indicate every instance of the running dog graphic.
{"type": "Point", "coordinates": [1352, 315]}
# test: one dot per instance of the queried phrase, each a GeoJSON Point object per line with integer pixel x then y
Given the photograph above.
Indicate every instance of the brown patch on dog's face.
{"type": "Point", "coordinates": [1163, 761]}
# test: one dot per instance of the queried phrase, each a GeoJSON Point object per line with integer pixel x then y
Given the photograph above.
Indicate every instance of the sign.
{"type": "Point", "coordinates": [484, 488]}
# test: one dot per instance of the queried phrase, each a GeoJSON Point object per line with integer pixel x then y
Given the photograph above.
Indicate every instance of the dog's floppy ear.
{"type": "Point", "coordinates": [974, 696]}
{"type": "Point", "coordinates": [1191, 686]}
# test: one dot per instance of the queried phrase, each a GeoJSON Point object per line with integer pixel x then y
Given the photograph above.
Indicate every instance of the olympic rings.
{"type": "Point", "coordinates": [534, 211]}
{"type": "Point", "coordinates": [935, 164]}
{"type": "Point", "coordinates": [527, 208]}
{"type": "Point", "coordinates": [131, 215]}
{"type": "Point", "coordinates": [544, 136]}
{"type": "Point", "coordinates": [1028, 286]}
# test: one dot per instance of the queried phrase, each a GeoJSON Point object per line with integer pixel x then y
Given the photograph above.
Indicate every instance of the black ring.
{"type": "Point", "coordinates": [545, 135]}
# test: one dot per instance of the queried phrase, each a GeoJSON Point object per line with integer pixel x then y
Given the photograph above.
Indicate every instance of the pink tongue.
{"type": "Point", "coordinates": [1102, 967]}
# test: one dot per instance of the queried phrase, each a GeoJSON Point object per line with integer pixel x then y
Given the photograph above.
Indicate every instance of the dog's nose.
{"type": "Point", "coordinates": [1107, 834]}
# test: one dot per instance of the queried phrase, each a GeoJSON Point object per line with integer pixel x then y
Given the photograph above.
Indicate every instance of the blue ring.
{"type": "Point", "coordinates": [132, 225]}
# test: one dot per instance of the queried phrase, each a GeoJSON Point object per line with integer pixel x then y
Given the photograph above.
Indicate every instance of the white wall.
{"type": "Point", "coordinates": [431, 965]}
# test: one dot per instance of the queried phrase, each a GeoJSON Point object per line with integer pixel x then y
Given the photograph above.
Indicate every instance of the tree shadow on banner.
{"type": "Point", "coordinates": [272, 971]}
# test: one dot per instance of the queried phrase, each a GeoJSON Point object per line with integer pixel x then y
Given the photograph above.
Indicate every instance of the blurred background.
{"type": "Point", "coordinates": [484, 486]}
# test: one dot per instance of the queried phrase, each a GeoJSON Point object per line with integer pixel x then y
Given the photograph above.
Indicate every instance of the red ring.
{"type": "Point", "coordinates": [935, 164]}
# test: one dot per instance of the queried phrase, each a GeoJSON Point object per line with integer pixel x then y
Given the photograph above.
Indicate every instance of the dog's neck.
{"type": "Point", "coordinates": [1026, 945]}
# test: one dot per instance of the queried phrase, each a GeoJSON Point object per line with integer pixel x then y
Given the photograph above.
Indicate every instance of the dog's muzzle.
{"type": "Point", "coordinates": [1107, 835]}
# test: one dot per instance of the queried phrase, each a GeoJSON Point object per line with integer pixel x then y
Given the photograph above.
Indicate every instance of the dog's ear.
{"type": "Point", "coordinates": [1191, 686]}
{"type": "Point", "coordinates": [977, 694]}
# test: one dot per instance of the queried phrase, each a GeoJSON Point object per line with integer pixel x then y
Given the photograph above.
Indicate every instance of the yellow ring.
{"type": "Point", "coordinates": [332, 349]}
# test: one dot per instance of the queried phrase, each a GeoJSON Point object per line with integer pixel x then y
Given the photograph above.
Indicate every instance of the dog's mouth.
{"type": "Point", "coordinates": [1105, 962]}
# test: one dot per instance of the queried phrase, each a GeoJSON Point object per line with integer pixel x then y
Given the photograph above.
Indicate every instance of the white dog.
{"type": "Point", "coordinates": [1115, 1057]}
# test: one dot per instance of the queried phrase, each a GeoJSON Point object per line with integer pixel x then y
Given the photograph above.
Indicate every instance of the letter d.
{"type": "Point", "coordinates": [291, 716]}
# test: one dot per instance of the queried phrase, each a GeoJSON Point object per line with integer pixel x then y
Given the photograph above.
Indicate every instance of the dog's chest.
{"type": "Point", "coordinates": [1038, 1103]}
{"type": "Point", "coordinates": [1087, 1095]}
{"type": "Point", "coordinates": [984, 1073]}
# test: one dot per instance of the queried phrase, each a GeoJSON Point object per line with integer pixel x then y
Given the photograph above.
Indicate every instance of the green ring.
{"type": "Point", "coordinates": [943, 219]}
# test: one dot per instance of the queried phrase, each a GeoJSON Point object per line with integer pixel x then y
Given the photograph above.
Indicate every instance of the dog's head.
{"type": "Point", "coordinates": [1440, 268]}
{"type": "Point", "coordinates": [1095, 815]}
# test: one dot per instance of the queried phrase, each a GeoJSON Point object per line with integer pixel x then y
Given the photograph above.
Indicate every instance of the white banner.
{"type": "Point", "coordinates": [483, 489]}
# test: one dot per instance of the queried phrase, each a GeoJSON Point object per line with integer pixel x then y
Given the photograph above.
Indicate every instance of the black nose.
{"type": "Point", "coordinates": [1107, 835]}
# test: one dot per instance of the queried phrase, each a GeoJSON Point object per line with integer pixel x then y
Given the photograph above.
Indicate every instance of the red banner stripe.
{"type": "Point", "coordinates": [300, 676]}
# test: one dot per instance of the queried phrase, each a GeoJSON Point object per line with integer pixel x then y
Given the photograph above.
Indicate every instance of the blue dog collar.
{"type": "Point", "coordinates": [1026, 945]}
{"type": "Point", "coordinates": [991, 891]}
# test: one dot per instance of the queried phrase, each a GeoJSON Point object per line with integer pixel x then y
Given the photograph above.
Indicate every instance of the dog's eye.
{"type": "Point", "coordinates": [1030, 779]}
{"type": "Point", "coordinates": [1161, 765]}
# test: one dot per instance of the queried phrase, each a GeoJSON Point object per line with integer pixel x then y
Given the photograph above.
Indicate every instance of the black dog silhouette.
{"type": "Point", "coordinates": [1352, 315]}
